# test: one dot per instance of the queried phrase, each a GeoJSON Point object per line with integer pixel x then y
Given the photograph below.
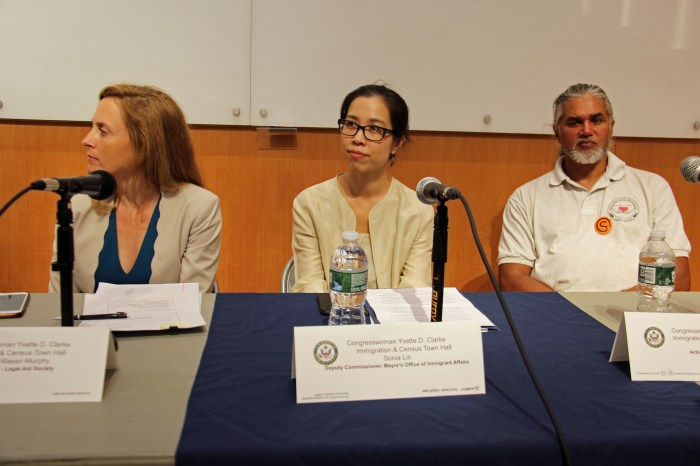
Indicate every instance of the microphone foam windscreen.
{"type": "Point", "coordinates": [420, 190]}
{"type": "Point", "coordinates": [689, 168]}
{"type": "Point", "coordinates": [107, 185]}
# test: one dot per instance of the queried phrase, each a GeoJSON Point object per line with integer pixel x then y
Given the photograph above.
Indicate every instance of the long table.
{"type": "Point", "coordinates": [141, 413]}
{"type": "Point", "coordinates": [607, 308]}
{"type": "Point", "coordinates": [242, 410]}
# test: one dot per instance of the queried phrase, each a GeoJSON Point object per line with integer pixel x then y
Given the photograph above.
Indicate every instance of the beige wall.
{"type": "Point", "coordinates": [257, 185]}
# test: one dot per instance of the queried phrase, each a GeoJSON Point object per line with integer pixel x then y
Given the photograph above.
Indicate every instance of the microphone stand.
{"type": "Point", "coordinates": [439, 259]}
{"type": "Point", "coordinates": [65, 257]}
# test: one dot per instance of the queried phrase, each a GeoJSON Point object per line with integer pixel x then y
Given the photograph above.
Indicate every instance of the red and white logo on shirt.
{"type": "Point", "coordinates": [623, 209]}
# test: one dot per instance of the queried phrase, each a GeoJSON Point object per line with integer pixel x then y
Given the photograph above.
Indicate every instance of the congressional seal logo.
{"type": "Point", "coordinates": [325, 352]}
{"type": "Point", "coordinates": [654, 337]}
{"type": "Point", "coordinates": [623, 209]}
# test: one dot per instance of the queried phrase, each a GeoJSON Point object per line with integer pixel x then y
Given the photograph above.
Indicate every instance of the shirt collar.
{"type": "Point", "coordinates": [614, 170]}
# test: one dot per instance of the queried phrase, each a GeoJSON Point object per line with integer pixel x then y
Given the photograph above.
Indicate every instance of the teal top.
{"type": "Point", "coordinates": [109, 269]}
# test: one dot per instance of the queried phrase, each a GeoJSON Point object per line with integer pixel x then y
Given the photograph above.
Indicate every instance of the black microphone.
{"type": "Point", "coordinates": [430, 191]}
{"type": "Point", "coordinates": [690, 169]}
{"type": "Point", "coordinates": [98, 185]}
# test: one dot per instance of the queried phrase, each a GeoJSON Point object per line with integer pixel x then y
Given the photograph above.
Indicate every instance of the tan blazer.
{"type": "Point", "coordinates": [400, 230]}
{"type": "Point", "coordinates": [186, 249]}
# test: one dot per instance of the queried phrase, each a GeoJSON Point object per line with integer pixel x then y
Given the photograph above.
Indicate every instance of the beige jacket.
{"type": "Point", "coordinates": [186, 250]}
{"type": "Point", "coordinates": [400, 231]}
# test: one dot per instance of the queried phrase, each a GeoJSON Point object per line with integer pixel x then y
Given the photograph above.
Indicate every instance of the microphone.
{"type": "Point", "coordinates": [430, 191]}
{"type": "Point", "coordinates": [690, 169]}
{"type": "Point", "coordinates": [98, 185]}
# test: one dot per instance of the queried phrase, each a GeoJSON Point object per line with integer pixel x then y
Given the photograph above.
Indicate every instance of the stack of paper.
{"type": "Point", "coordinates": [407, 305]}
{"type": "Point", "coordinates": [149, 307]}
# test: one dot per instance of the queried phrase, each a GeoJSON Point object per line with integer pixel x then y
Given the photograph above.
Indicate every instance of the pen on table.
{"type": "Point", "coordinates": [114, 315]}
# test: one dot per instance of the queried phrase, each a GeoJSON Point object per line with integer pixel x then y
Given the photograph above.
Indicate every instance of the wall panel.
{"type": "Point", "coordinates": [257, 187]}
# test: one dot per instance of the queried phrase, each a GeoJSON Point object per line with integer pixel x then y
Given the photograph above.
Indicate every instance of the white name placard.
{"type": "Point", "coordinates": [54, 364]}
{"type": "Point", "coordinates": [371, 362]}
{"type": "Point", "coordinates": [659, 346]}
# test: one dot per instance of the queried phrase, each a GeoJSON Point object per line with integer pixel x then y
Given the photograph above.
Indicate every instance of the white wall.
{"type": "Point", "coordinates": [56, 55]}
{"type": "Point", "coordinates": [454, 61]}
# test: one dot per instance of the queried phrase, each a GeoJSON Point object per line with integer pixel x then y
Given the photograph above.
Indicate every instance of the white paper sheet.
{"type": "Point", "coordinates": [54, 364]}
{"type": "Point", "coordinates": [150, 307]}
{"type": "Point", "coordinates": [660, 346]}
{"type": "Point", "coordinates": [359, 362]}
{"type": "Point", "coordinates": [412, 305]}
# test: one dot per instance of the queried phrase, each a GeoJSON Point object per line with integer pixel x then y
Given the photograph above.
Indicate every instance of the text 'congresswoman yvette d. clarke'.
{"type": "Point", "coordinates": [389, 361]}
{"type": "Point", "coordinates": [400, 353]}
{"type": "Point", "coordinates": [31, 355]}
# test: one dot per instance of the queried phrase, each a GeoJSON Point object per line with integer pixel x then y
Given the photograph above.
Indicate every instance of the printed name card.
{"type": "Point", "coordinates": [371, 362]}
{"type": "Point", "coordinates": [659, 346]}
{"type": "Point", "coordinates": [54, 364]}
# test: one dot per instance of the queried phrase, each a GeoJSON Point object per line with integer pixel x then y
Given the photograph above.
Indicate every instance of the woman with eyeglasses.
{"type": "Point", "coordinates": [395, 227]}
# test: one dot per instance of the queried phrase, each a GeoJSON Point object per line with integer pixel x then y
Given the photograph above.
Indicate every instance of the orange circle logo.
{"type": "Point", "coordinates": [603, 225]}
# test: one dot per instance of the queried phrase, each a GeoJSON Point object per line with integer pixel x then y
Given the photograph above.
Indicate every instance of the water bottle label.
{"type": "Point", "coordinates": [660, 276]}
{"type": "Point", "coordinates": [348, 282]}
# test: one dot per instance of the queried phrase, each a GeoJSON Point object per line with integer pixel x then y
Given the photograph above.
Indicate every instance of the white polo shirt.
{"type": "Point", "coordinates": [589, 240]}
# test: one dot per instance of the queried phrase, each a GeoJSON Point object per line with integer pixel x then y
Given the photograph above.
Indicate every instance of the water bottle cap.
{"type": "Point", "coordinates": [657, 234]}
{"type": "Point", "coordinates": [351, 236]}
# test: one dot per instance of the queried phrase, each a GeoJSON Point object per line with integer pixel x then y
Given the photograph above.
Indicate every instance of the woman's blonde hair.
{"type": "Point", "coordinates": [160, 137]}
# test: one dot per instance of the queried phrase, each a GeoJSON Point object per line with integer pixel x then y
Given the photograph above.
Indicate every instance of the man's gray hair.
{"type": "Point", "coordinates": [578, 90]}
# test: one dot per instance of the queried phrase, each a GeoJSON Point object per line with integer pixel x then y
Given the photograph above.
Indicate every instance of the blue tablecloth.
{"type": "Point", "coordinates": [242, 409]}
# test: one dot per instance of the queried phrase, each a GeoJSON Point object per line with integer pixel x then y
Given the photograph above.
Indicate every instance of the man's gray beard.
{"type": "Point", "coordinates": [585, 158]}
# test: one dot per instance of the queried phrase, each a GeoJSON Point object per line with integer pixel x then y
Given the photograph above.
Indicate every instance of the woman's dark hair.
{"type": "Point", "coordinates": [398, 110]}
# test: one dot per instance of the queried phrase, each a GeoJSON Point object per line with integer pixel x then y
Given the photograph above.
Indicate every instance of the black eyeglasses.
{"type": "Point", "coordinates": [372, 133]}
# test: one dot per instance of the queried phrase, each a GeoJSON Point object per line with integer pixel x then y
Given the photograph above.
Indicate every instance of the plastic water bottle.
{"type": "Point", "coordinates": [348, 282]}
{"type": "Point", "coordinates": [657, 274]}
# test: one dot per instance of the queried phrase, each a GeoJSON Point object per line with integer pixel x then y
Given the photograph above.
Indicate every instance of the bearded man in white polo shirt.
{"type": "Point", "coordinates": [581, 226]}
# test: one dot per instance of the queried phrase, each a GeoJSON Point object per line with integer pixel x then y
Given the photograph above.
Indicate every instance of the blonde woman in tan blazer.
{"type": "Point", "coordinates": [160, 226]}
